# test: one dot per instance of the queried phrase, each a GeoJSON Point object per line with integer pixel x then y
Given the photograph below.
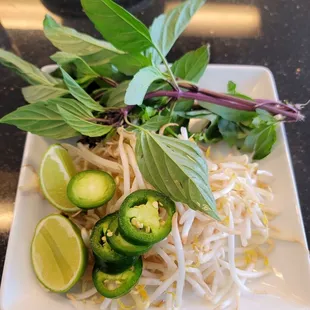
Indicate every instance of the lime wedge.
{"type": "Point", "coordinates": [59, 256]}
{"type": "Point", "coordinates": [56, 171]}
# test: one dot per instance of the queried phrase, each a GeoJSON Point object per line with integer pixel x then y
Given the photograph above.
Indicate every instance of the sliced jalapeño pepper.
{"type": "Point", "coordinates": [119, 244]}
{"type": "Point", "coordinates": [140, 216]}
{"type": "Point", "coordinates": [91, 189]}
{"type": "Point", "coordinates": [100, 246]}
{"type": "Point", "coordinates": [112, 284]}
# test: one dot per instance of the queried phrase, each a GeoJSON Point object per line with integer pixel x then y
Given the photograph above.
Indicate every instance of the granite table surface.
{"type": "Point", "coordinates": [275, 34]}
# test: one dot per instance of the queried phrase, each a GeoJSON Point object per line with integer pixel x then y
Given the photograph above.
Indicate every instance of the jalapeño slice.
{"type": "Point", "coordinates": [100, 246]}
{"type": "Point", "coordinates": [111, 284]}
{"type": "Point", "coordinates": [91, 189]}
{"type": "Point", "coordinates": [119, 244]}
{"type": "Point", "coordinates": [140, 217]}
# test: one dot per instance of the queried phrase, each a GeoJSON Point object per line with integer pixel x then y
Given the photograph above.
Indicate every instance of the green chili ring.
{"type": "Point", "coordinates": [100, 246]}
{"type": "Point", "coordinates": [114, 285]}
{"type": "Point", "coordinates": [119, 244]}
{"type": "Point", "coordinates": [139, 219]}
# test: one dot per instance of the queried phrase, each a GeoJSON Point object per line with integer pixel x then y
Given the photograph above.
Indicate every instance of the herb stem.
{"type": "Point", "coordinates": [274, 107]}
{"type": "Point", "coordinates": [174, 81]}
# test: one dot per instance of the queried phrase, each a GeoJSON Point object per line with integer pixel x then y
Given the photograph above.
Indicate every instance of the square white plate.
{"type": "Point", "coordinates": [290, 283]}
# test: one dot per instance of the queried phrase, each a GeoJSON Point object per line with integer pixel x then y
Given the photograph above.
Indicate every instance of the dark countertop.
{"type": "Point", "coordinates": [257, 32]}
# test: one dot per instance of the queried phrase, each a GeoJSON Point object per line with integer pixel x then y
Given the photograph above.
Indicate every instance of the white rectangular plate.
{"type": "Point", "coordinates": [288, 287]}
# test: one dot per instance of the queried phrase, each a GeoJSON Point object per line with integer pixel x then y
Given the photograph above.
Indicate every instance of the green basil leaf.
{"type": "Point", "coordinates": [130, 64]}
{"type": "Point", "coordinates": [262, 117]}
{"type": "Point", "coordinates": [83, 70]}
{"type": "Point", "coordinates": [231, 87]}
{"type": "Point", "coordinates": [43, 118]}
{"type": "Point", "coordinates": [100, 62]}
{"type": "Point", "coordinates": [140, 83]}
{"type": "Point", "coordinates": [117, 25]}
{"type": "Point", "coordinates": [38, 93]}
{"type": "Point", "coordinates": [166, 28]}
{"type": "Point", "coordinates": [26, 70]}
{"type": "Point", "coordinates": [177, 169]}
{"type": "Point", "coordinates": [184, 105]}
{"type": "Point", "coordinates": [260, 140]}
{"type": "Point", "coordinates": [265, 142]}
{"type": "Point", "coordinates": [82, 125]}
{"type": "Point", "coordinates": [228, 113]}
{"type": "Point", "coordinates": [70, 41]}
{"type": "Point", "coordinates": [232, 90]}
{"type": "Point", "coordinates": [156, 122]}
{"type": "Point", "coordinates": [117, 95]}
{"type": "Point", "coordinates": [147, 113]}
{"type": "Point", "coordinates": [79, 93]}
{"type": "Point", "coordinates": [212, 133]}
{"type": "Point", "coordinates": [192, 65]}
{"type": "Point", "coordinates": [231, 131]}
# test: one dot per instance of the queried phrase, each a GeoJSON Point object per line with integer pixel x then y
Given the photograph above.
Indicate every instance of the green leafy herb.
{"type": "Point", "coordinates": [231, 131]}
{"type": "Point", "coordinates": [70, 41]}
{"type": "Point", "coordinates": [260, 141]}
{"type": "Point", "coordinates": [228, 113]}
{"type": "Point", "coordinates": [147, 113]}
{"type": "Point", "coordinates": [166, 28]}
{"type": "Point", "coordinates": [43, 118]}
{"type": "Point", "coordinates": [83, 70]}
{"type": "Point", "coordinates": [117, 25]}
{"type": "Point", "coordinates": [79, 93]}
{"type": "Point", "coordinates": [176, 168]}
{"type": "Point", "coordinates": [130, 64]}
{"type": "Point", "coordinates": [82, 125]}
{"type": "Point", "coordinates": [263, 117]}
{"type": "Point", "coordinates": [156, 122]}
{"type": "Point", "coordinates": [140, 83]}
{"type": "Point", "coordinates": [192, 65]}
{"type": "Point", "coordinates": [232, 90]}
{"type": "Point", "coordinates": [117, 95]}
{"type": "Point", "coordinates": [27, 71]}
{"type": "Point", "coordinates": [38, 93]}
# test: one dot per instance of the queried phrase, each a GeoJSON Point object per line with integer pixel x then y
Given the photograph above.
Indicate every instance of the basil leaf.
{"type": "Point", "coordinates": [79, 93]}
{"type": "Point", "coordinates": [81, 125]}
{"type": "Point", "coordinates": [228, 113]}
{"type": "Point", "coordinates": [263, 117]}
{"type": "Point", "coordinates": [156, 122]}
{"type": "Point", "coordinates": [130, 64]}
{"type": "Point", "coordinates": [82, 69]}
{"type": "Point", "coordinates": [100, 62]}
{"type": "Point", "coordinates": [26, 70]}
{"type": "Point", "coordinates": [232, 90]}
{"type": "Point", "coordinates": [166, 28]}
{"type": "Point", "coordinates": [117, 25]}
{"type": "Point", "coordinates": [43, 118]}
{"type": "Point", "coordinates": [192, 65]}
{"type": "Point", "coordinates": [265, 142]}
{"type": "Point", "coordinates": [38, 93]}
{"type": "Point", "coordinates": [140, 83]}
{"type": "Point", "coordinates": [231, 131]}
{"type": "Point", "coordinates": [117, 95]}
{"type": "Point", "coordinates": [260, 140]}
{"type": "Point", "coordinates": [184, 105]}
{"type": "Point", "coordinates": [147, 113]}
{"type": "Point", "coordinates": [70, 41]}
{"type": "Point", "coordinates": [177, 169]}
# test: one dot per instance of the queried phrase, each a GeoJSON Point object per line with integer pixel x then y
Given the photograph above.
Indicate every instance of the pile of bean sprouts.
{"type": "Point", "coordinates": [212, 259]}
